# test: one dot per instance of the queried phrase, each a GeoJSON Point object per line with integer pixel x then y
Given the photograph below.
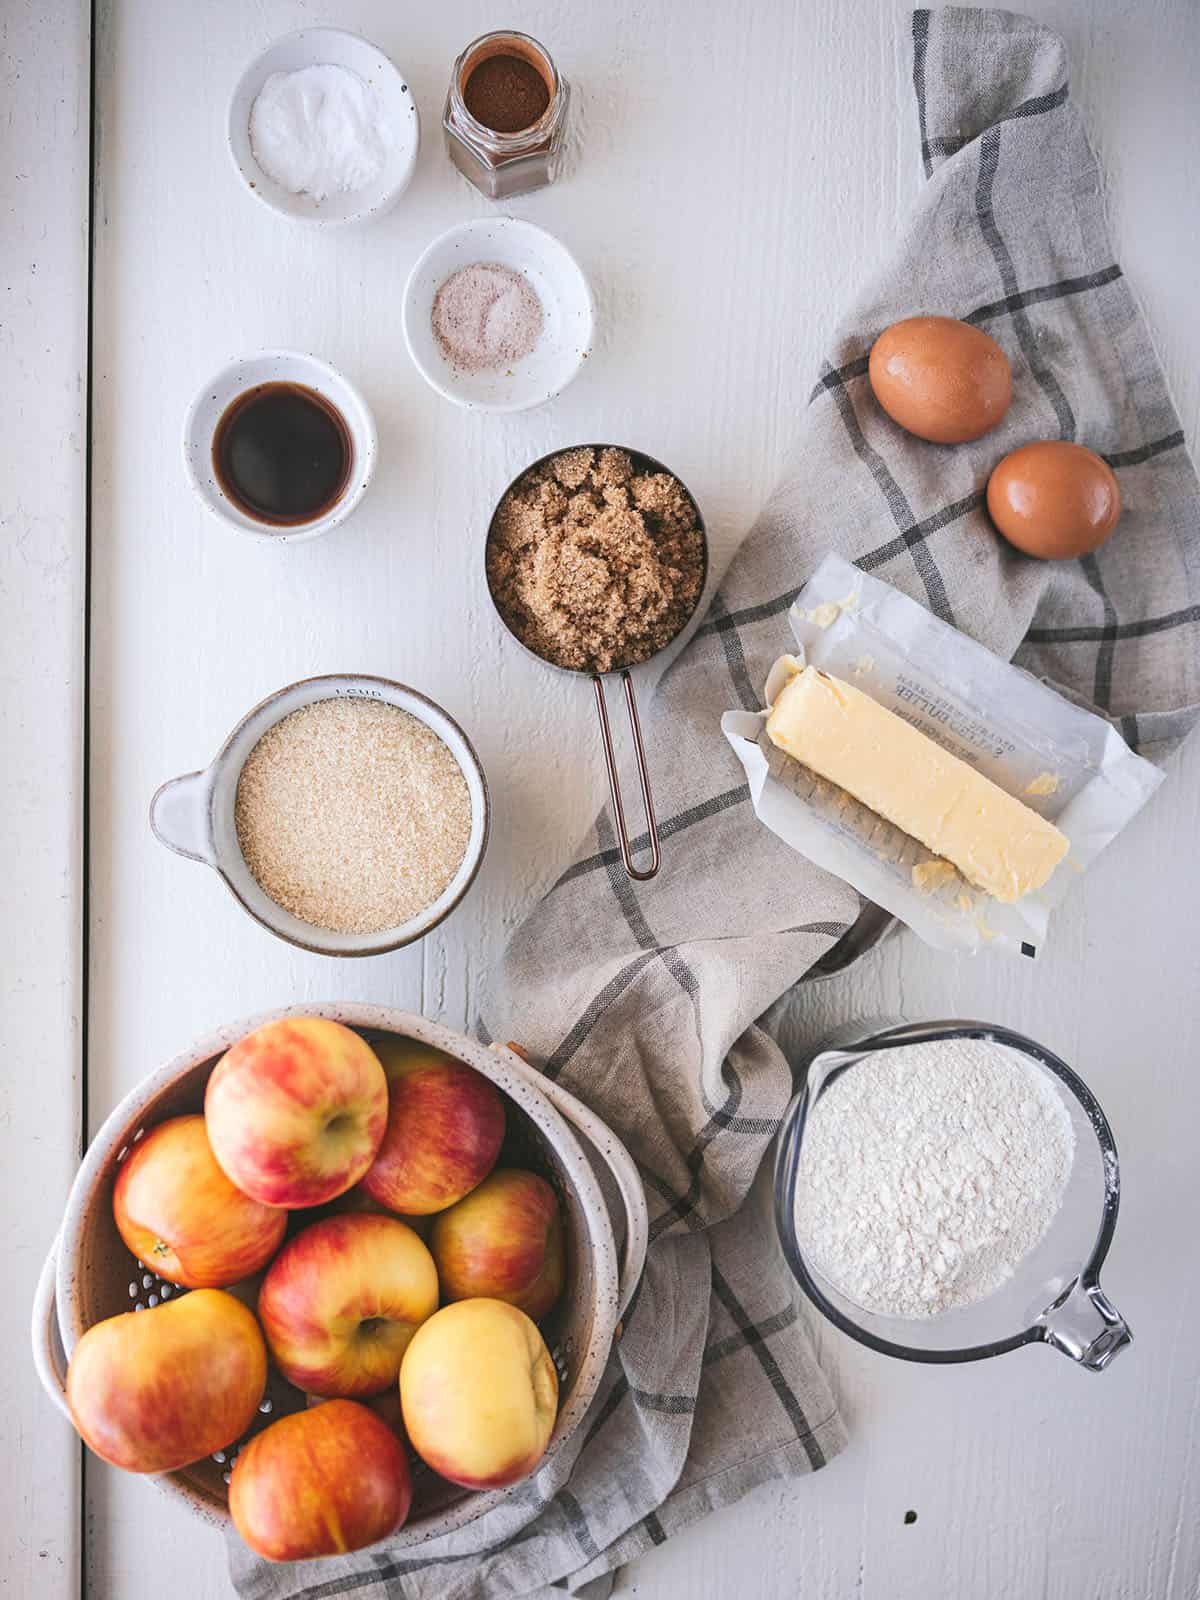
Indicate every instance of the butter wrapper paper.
{"type": "Point", "coordinates": [1057, 757]}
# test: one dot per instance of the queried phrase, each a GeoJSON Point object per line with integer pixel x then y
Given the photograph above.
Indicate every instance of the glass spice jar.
{"type": "Point", "coordinates": [502, 162]}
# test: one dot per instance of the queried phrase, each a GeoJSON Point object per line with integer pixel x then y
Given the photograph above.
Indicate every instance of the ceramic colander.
{"type": "Point", "coordinates": [90, 1274]}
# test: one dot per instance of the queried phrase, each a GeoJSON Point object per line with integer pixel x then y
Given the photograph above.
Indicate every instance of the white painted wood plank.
{"type": "Point", "coordinates": [44, 96]}
{"type": "Point", "coordinates": [717, 281]}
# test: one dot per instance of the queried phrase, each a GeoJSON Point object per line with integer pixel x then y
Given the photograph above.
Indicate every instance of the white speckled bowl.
{"type": "Point", "coordinates": [555, 277]}
{"type": "Point", "coordinates": [276, 366]}
{"type": "Point", "coordinates": [312, 47]}
{"type": "Point", "coordinates": [90, 1275]}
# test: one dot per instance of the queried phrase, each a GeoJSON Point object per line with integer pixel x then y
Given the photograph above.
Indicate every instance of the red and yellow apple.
{"type": "Point", "coordinates": [445, 1126]}
{"type": "Point", "coordinates": [341, 1301]}
{"type": "Point", "coordinates": [320, 1483]}
{"type": "Point", "coordinates": [397, 1053]}
{"type": "Point", "coordinates": [386, 1407]}
{"type": "Point", "coordinates": [503, 1241]}
{"type": "Point", "coordinates": [357, 1199]}
{"type": "Point", "coordinates": [178, 1212]}
{"type": "Point", "coordinates": [152, 1390]}
{"type": "Point", "coordinates": [296, 1110]}
{"type": "Point", "coordinates": [479, 1393]}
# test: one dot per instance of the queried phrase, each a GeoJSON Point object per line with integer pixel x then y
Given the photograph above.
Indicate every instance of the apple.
{"type": "Point", "coordinates": [397, 1053]}
{"type": "Point", "coordinates": [178, 1212]}
{"type": "Point", "coordinates": [479, 1393]}
{"type": "Point", "coordinates": [320, 1483]}
{"type": "Point", "coordinates": [152, 1390]}
{"type": "Point", "coordinates": [357, 1199]}
{"type": "Point", "coordinates": [445, 1126]}
{"type": "Point", "coordinates": [342, 1299]}
{"type": "Point", "coordinates": [296, 1110]}
{"type": "Point", "coordinates": [503, 1241]}
{"type": "Point", "coordinates": [385, 1405]}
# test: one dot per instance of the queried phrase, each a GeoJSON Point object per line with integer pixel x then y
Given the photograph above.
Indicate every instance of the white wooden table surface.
{"type": "Point", "coordinates": [735, 171]}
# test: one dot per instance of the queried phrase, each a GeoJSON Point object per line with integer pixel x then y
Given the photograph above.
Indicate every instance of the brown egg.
{"type": "Point", "coordinates": [941, 379]}
{"type": "Point", "coordinates": [1054, 500]}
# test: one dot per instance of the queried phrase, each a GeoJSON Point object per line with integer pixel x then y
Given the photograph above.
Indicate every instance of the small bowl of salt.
{"type": "Point", "coordinates": [323, 128]}
{"type": "Point", "coordinates": [497, 315]}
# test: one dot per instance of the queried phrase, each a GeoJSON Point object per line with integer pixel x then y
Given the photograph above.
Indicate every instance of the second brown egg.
{"type": "Point", "coordinates": [1054, 499]}
{"type": "Point", "coordinates": [940, 379]}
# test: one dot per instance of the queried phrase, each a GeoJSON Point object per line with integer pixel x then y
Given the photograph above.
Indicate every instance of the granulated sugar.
{"type": "Point", "coordinates": [928, 1173]}
{"type": "Point", "coordinates": [352, 815]}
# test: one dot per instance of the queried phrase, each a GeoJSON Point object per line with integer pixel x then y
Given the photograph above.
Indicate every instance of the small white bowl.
{"type": "Point", "coordinates": [555, 277]}
{"type": "Point", "coordinates": [276, 366]}
{"type": "Point", "coordinates": [312, 47]}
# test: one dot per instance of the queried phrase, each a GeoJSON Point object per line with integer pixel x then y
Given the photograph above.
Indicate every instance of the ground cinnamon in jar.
{"type": "Point", "coordinates": [506, 93]}
{"type": "Point", "coordinates": [505, 118]}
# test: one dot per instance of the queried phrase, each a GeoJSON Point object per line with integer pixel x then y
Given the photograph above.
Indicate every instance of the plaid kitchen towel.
{"type": "Point", "coordinates": [643, 999]}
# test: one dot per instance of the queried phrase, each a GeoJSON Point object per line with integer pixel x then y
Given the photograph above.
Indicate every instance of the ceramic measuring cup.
{"type": "Point", "coordinates": [194, 814]}
{"type": "Point", "coordinates": [642, 463]}
{"type": "Point", "coordinates": [1054, 1296]}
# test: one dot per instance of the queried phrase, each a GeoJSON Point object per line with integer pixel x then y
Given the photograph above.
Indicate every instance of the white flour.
{"type": "Point", "coordinates": [928, 1173]}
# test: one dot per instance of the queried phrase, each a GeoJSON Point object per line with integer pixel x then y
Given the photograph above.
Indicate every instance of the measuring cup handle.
{"type": "Point", "coordinates": [179, 816]}
{"type": "Point", "coordinates": [1084, 1324]}
{"type": "Point", "coordinates": [638, 874]}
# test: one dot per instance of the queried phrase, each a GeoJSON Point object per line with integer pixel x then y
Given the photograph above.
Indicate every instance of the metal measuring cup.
{"type": "Point", "coordinates": [642, 463]}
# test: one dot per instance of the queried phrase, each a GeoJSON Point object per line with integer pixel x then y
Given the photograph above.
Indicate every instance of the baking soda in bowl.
{"type": "Point", "coordinates": [319, 131]}
{"type": "Point", "coordinates": [929, 1172]}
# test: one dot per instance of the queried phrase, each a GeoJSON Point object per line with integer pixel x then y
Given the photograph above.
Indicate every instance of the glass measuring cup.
{"type": "Point", "coordinates": [1054, 1296]}
{"type": "Point", "coordinates": [642, 463]}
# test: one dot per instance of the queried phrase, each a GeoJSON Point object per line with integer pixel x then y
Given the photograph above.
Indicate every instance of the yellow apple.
{"type": "Point", "coordinates": [479, 1393]}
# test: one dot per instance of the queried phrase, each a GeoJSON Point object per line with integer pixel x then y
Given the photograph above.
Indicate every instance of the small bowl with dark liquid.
{"type": "Point", "coordinates": [279, 446]}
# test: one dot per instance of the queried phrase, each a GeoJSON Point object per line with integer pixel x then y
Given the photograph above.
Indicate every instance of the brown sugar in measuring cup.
{"type": "Point", "coordinates": [505, 114]}
{"type": "Point", "coordinates": [597, 560]}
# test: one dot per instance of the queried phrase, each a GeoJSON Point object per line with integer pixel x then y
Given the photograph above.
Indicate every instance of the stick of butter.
{"type": "Point", "coordinates": [996, 842]}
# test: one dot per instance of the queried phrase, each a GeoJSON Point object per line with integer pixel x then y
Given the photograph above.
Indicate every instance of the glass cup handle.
{"type": "Point", "coordinates": [1084, 1324]}
{"type": "Point", "coordinates": [638, 874]}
